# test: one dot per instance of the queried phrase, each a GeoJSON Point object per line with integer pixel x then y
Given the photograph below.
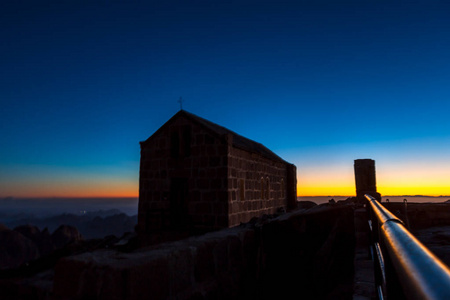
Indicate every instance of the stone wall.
{"type": "Point", "coordinates": [256, 186]}
{"type": "Point", "coordinates": [420, 215]}
{"type": "Point", "coordinates": [186, 153]}
{"type": "Point", "coordinates": [193, 178]}
{"type": "Point", "coordinates": [308, 254]}
{"type": "Point", "coordinates": [215, 266]}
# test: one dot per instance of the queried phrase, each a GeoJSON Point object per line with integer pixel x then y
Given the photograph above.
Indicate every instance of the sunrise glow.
{"type": "Point", "coordinates": [407, 176]}
{"type": "Point", "coordinates": [319, 84]}
{"type": "Point", "coordinates": [71, 189]}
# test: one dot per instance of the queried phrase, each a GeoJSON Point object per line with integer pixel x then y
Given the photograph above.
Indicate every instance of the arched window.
{"type": "Point", "coordinates": [262, 188]}
{"type": "Point", "coordinates": [242, 190]}
{"type": "Point", "coordinates": [267, 188]}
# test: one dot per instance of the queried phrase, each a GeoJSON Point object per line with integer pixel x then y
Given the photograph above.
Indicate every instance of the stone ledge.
{"type": "Point", "coordinates": [199, 265]}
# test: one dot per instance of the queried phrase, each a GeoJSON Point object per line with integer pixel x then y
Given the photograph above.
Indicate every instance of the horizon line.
{"type": "Point", "coordinates": [417, 195]}
{"type": "Point", "coordinates": [127, 197]}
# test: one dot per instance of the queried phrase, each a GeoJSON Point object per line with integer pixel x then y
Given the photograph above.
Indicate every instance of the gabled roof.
{"type": "Point", "coordinates": [238, 141]}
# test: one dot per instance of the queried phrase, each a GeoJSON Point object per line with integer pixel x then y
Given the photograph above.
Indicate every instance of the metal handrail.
{"type": "Point", "coordinates": [421, 274]}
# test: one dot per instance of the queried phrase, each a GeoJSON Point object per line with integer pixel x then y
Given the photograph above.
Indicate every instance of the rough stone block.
{"type": "Point", "coordinates": [181, 270]}
{"type": "Point", "coordinates": [203, 208]}
{"type": "Point", "coordinates": [216, 183]}
{"type": "Point", "coordinates": [204, 263]}
{"type": "Point", "coordinates": [203, 183]}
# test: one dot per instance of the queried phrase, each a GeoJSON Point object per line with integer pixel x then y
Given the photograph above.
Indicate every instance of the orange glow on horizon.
{"type": "Point", "coordinates": [392, 180]}
{"type": "Point", "coordinates": [74, 189]}
{"type": "Point", "coordinates": [69, 194]}
{"type": "Point", "coordinates": [305, 188]}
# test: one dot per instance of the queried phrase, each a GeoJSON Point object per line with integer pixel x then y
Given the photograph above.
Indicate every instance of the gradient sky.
{"type": "Point", "coordinates": [321, 83]}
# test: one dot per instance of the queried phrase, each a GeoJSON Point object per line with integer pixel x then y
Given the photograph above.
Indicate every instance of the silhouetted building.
{"type": "Point", "coordinates": [195, 174]}
{"type": "Point", "coordinates": [365, 179]}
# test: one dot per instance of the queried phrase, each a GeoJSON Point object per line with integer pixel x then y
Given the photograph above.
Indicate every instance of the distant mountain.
{"type": "Point", "coordinates": [96, 224]}
{"type": "Point", "coordinates": [46, 207]}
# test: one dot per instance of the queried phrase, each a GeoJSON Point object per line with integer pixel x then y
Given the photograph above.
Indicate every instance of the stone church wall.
{"type": "Point", "coordinates": [256, 185]}
{"type": "Point", "coordinates": [186, 152]}
{"type": "Point", "coordinates": [194, 179]}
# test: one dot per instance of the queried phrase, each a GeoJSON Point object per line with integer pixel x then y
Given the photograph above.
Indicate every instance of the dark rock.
{"type": "Point", "coordinates": [281, 210]}
{"type": "Point", "coordinates": [350, 200]}
{"type": "Point", "coordinates": [128, 242]}
{"type": "Point", "coordinates": [16, 249]}
{"type": "Point", "coordinates": [30, 231]}
{"type": "Point", "coordinates": [41, 239]}
{"type": "Point", "coordinates": [306, 204]}
{"type": "Point", "coordinates": [65, 235]}
{"type": "Point", "coordinates": [46, 245]}
{"type": "Point", "coordinates": [437, 240]}
{"type": "Point", "coordinates": [108, 241]}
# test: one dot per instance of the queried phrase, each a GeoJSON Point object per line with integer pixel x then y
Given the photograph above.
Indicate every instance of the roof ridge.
{"type": "Point", "coordinates": [239, 141]}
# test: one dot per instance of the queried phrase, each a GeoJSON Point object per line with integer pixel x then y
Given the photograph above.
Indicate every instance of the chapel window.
{"type": "Point", "coordinates": [262, 187]}
{"type": "Point", "coordinates": [242, 189]}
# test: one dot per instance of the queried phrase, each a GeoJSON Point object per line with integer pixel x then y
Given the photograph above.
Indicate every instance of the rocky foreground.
{"type": "Point", "coordinates": [429, 222]}
{"type": "Point", "coordinates": [28, 257]}
{"type": "Point", "coordinates": [27, 243]}
{"type": "Point", "coordinates": [318, 237]}
{"type": "Point", "coordinates": [437, 240]}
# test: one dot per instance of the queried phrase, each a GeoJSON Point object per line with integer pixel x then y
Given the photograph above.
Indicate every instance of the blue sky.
{"type": "Point", "coordinates": [321, 83]}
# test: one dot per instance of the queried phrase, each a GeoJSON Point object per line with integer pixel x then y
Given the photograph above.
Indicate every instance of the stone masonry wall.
{"type": "Point", "coordinates": [256, 186]}
{"type": "Point", "coordinates": [201, 159]}
{"type": "Point", "coordinates": [218, 265]}
{"type": "Point", "coordinates": [308, 254]}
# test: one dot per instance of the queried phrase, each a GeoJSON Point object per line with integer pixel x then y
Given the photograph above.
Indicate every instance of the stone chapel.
{"type": "Point", "coordinates": [195, 174]}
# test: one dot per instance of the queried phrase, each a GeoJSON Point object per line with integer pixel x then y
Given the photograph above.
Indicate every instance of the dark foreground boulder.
{"type": "Point", "coordinates": [65, 235]}
{"type": "Point", "coordinates": [306, 204]}
{"type": "Point", "coordinates": [42, 239]}
{"type": "Point", "coordinates": [15, 249]}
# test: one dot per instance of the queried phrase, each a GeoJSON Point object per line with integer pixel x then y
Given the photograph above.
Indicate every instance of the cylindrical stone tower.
{"type": "Point", "coordinates": [365, 178]}
{"type": "Point", "coordinates": [291, 193]}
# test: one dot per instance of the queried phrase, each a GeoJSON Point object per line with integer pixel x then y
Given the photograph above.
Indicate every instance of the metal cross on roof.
{"type": "Point", "coordinates": [181, 103]}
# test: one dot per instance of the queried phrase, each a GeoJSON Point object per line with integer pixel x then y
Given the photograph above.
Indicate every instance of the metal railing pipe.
{"type": "Point", "coordinates": [383, 215]}
{"type": "Point", "coordinates": [421, 274]}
